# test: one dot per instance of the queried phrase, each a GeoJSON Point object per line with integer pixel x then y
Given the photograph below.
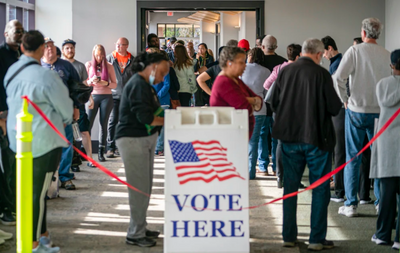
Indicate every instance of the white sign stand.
{"type": "Point", "coordinates": [206, 180]}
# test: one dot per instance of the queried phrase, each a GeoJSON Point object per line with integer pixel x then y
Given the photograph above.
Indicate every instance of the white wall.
{"type": "Point", "coordinates": [54, 20]}
{"type": "Point", "coordinates": [161, 17]}
{"type": "Point", "coordinates": [293, 21]}
{"type": "Point", "coordinates": [247, 20]}
{"type": "Point", "coordinates": [228, 30]}
{"type": "Point", "coordinates": [392, 25]}
{"type": "Point", "coordinates": [207, 35]}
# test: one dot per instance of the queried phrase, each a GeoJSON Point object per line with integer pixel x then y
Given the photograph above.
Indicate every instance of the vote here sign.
{"type": "Point", "coordinates": [206, 180]}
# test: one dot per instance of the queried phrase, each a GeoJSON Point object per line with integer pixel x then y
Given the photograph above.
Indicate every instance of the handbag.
{"type": "Point", "coordinates": [79, 92]}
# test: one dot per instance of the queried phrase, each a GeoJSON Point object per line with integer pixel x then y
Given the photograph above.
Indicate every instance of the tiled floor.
{"type": "Point", "coordinates": [94, 218]}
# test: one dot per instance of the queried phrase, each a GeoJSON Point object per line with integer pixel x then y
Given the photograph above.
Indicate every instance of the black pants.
{"type": "Point", "coordinates": [390, 187]}
{"type": "Point", "coordinates": [43, 171]}
{"type": "Point", "coordinates": [365, 181]}
{"type": "Point", "coordinates": [184, 98]}
{"type": "Point", "coordinates": [112, 125]}
{"type": "Point", "coordinates": [105, 104]}
{"type": "Point", "coordinates": [340, 151]}
{"type": "Point", "coordinates": [8, 179]}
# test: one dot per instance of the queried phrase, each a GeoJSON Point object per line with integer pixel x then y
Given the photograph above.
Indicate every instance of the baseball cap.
{"type": "Point", "coordinates": [244, 44]}
{"type": "Point", "coordinates": [395, 56]}
{"type": "Point", "coordinates": [68, 41]}
{"type": "Point", "coordinates": [47, 39]}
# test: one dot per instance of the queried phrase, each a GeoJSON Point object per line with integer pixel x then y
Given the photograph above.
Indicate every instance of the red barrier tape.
{"type": "Point", "coordinates": [312, 186]}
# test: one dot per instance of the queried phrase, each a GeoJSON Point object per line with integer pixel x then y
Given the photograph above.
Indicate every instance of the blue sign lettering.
{"type": "Point", "coordinates": [185, 228]}
{"type": "Point", "coordinates": [205, 204]}
{"type": "Point", "coordinates": [197, 228]}
{"type": "Point", "coordinates": [178, 203]}
{"type": "Point", "coordinates": [231, 202]}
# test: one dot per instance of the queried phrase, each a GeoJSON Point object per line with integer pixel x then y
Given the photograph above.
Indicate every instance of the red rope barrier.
{"type": "Point", "coordinates": [312, 186]}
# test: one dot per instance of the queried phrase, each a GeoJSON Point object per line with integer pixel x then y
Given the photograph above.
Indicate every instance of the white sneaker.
{"type": "Point", "coordinates": [349, 211]}
{"type": "Point", "coordinates": [377, 209]}
{"type": "Point", "coordinates": [377, 240]}
{"type": "Point", "coordinates": [396, 245]}
{"type": "Point", "coordinates": [366, 202]}
{"type": "Point", "coordinates": [5, 236]}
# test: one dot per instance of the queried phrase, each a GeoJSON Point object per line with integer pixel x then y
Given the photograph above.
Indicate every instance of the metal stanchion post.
{"type": "Point", "coordinates": [24, 180]}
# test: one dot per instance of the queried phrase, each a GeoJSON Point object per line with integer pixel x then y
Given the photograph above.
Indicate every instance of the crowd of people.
{"type": "Point", "coordinates": [300, 114]}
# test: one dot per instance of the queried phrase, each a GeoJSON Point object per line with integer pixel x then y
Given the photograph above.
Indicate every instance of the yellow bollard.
{"type": "Point", "coordinates": [24, 180]}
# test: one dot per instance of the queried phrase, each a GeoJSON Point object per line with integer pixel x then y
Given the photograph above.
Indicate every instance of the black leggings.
{"type": "Point", "coordinates": [43, 171]}
{"type": "Point", "coordinates": [184, 98]}
{"type": "Point", "coordinates": [105, 104]}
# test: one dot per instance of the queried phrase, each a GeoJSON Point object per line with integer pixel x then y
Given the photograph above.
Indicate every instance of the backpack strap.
{"type": "Point", "coordinates": [19, 70]}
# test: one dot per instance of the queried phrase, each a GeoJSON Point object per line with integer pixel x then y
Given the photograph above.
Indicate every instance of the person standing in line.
{"type": "Point", "coordinates": [254, 76]}
{"type": "Point", "coordinates": [332, 54]}
{"type": "Point", "coordinates": [136, 136]}
{"type": "Point", "coordinates": [67, 73]}
{"type": "Point", "coordinates": [293, 54]}
{"type": "Point", "coordinates": [10, 52]}
{"type": "Point", "coordinates": [190, 48]}
{"type": "Point", "coordinates": [229, 89]}
{"type": "Point", "coordinates": [304, 126]}
{"type": "Point", "coordinates": [153, 41]}
{"type": "Point", "coordinates": [45, 88]}
{"type": "Point", "coordinates": [102, 77]}
{"type": "Point", "coordinates": [232, 43]}
{"type": "Point", "coordinates": [271, 60]}
{"type": "Point", "coordinates": [68, 51]}
{"type": "Point", "coordinates": [385, 156]}
{"type": "Point", "coordinates": [184, 69]}
{"type": "Point", "coordinates": [365, 64]}
{"type": "Point", "coordinates": [121, 60]}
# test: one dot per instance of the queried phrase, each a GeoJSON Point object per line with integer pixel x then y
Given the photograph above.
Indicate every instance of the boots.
{"type": "Point", "coordinates": [101, 154]}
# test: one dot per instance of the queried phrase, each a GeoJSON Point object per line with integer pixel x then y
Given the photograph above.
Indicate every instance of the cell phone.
{"type": "Point", "coordinates": [99, 77]}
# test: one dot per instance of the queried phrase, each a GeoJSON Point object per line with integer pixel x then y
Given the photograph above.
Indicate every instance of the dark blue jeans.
{"type": "Point", "coordinates": [253, 145]}
{"type": "Point", "coordinates": [356, 126]}
{"type": "Point", "coordinates": [295, 157]}
{"type": "Point", "coordinates": [263, 150]}
{"type": "Point", "coordinates": [66, 157]}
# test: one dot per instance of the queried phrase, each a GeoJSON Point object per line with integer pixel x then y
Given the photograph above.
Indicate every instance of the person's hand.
{"type": "Point", "coordinates": [94, 79]}
{"type": "Point", "coordinates": [345, 105]}
{"type": "Point", "coordinates": [76, 114]}
{"type": "Point", "coordinates": [3, 126]}
{"type": "Point", "coordinates": [91, 103]}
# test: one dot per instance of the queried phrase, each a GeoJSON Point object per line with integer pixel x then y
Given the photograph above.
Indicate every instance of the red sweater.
{"type": "Point", "coordinates": [225, 92]}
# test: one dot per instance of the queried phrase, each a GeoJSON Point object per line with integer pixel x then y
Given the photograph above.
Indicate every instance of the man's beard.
{"type": "Point", "coordinates": [69, 56]}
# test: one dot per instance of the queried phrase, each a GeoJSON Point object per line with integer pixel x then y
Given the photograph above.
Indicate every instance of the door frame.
{"type": "Point", "coordinates": [146, 5]}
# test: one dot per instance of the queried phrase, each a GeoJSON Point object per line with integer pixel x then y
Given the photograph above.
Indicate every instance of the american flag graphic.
{"type": "Point", "coordinates": [202, 161]}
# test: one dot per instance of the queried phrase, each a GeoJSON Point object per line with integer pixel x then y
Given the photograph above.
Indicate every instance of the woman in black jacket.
{"type": "Point", "coordinates": [141, 118]}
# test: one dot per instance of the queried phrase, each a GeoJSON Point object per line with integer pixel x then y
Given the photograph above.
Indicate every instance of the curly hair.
{"type": "Point", "coordinates": [229, 54]}
{"type": "Point", "coordinates": [256, 56]}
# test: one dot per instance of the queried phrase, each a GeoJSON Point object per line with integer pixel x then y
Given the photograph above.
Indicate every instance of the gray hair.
{"type": "Point", "coordinates": [313, 46]}
{"type": "Point", "coordinates": [10, 25]}
{"type": "Point", "coordinates": [232, 43]}
{"type": "Point", "coordinates": [270, 42]}
{"type": "Point", "coordinates": [372, 27]}
{"type": "Point", "coordinates": [229, 54]}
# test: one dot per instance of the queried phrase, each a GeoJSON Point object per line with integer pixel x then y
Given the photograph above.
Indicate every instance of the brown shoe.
{"type": "Point", "coordinates": [68, 185]}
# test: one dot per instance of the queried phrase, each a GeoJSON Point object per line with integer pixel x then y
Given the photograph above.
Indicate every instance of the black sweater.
{"type": "Point", "coordinates": [304, 101]}
{"type": "Point", "coordinates": [139, 102]}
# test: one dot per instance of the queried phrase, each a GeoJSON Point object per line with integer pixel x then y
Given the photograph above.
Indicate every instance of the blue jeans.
{"type": "Point", "coordinates": [160, 139]}
{"type": "Point", "coordinates": [295, 156]}
{"type": "Point", "coordinates": [253, 145]}
{"type": "Point", "coordinates": [356, 125]}
{"type": "Point", "coordinates": [66, 157]}
{"type": "Point", "coordinates": [263, 150]}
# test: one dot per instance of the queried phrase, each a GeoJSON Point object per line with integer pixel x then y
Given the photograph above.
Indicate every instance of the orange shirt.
{"type": "Point", "coordinates": [122, 60]}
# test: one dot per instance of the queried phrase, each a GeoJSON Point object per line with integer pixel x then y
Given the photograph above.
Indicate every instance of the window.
{"type": "Point", "coordinates": [12, 13]}
{"type": "Point", "coordinates": [185, 32]}
{"type": "Point", "coordinates": [25, 18]}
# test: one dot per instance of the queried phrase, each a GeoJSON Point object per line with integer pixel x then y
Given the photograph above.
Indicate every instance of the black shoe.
{"type": "Point", "coordinates": [6, 218]}
{"type": "Point", "coordinates": [280, 184]}
{"type": "Point", "coordinates": [101, 154]}
{"type": "Point", "coordinates": [68, 185]}
{"type": "Point", "coordinates": [75, 169]}
{"type": "Point", "coordinates": [302, 186]}
{"type": "Point", "coordinates": [152, 234]}
{"type": "Point", "coordinates": [141, 242]}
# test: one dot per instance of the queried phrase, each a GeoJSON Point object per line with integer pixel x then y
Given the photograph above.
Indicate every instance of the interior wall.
{"type": "Point", "coordinates": [228, 30]}
{"type": "Point", "coordinates": [247, 28]}
{"type": "Point", "coordinates": [392, 25]}
{"type": "Point", "coordinates": [207, 35]}
{"type": "Point", "coordinates": [293, 21]}
{"type": "Point", "coordinates": [54, 20]}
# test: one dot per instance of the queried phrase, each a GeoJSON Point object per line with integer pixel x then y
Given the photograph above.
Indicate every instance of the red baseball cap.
{"type": "Point", "coordinates": [244, 44]}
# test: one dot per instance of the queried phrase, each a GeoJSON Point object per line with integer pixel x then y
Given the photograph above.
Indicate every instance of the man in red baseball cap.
{"type": "Point", "coordinates": [244, 44]}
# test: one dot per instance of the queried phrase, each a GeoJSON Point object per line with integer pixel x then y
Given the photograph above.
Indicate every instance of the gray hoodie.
{"type": "Point", "coordinates": [122, 78]}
